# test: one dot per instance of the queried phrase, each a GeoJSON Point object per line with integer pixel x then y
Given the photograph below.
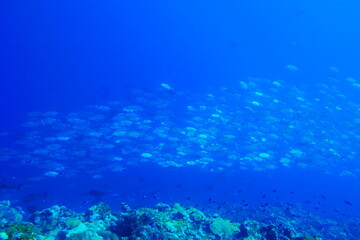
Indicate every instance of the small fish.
{"type": "Point", "coordinates": [292, 68]}
{"type": "Point", "coordinates": [167, 87]}
{"type": "Point", "coordinates": [334, 69]}
{"type": "Point", "coordinates": [51, 174]}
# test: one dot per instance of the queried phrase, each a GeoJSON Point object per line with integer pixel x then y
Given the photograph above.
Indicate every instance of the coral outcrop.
{"type": "Point", "coordinates": [163, 222]}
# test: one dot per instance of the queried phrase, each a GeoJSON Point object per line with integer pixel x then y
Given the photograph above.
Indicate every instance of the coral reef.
{"type": "Point", "coordinates": [161, 222]}
{"type": "Point", "coordinates": [8, 214]}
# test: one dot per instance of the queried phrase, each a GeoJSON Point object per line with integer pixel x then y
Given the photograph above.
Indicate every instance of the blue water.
{"type": "Point", "coordinates": [65, 56]}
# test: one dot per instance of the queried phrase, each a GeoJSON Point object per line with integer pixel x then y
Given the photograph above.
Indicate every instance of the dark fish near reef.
{"type": "Point", "coordinates": [96, 193]}
{"type": "Point", "coordinates": [4, 184]}
{"type": "Point", "coordinates": [33, 197]}
{"type": "Point", "coordinates": [32, 208]}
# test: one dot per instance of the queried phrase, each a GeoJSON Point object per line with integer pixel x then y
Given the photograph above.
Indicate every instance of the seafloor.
{"type": "Point", "coordinates": [170, 222]}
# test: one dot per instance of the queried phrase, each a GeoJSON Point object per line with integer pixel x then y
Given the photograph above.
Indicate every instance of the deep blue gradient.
{"type": "Point", "coordinates": [64, 55]}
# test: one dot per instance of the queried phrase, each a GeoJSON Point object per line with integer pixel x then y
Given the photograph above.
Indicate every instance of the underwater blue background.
{"type": "Point", "coordinates": [62, 56]}
{"type": "Point", "coordinates": [65, 55]}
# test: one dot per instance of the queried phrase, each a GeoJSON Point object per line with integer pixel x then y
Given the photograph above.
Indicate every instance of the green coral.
{"type": "Point", "coordinates": [179, 211]}
{"type": "Point", "coordinates": [172, 226]}
{"type": "Point", "coordinates": [86, 235]}
{"type": "Point", "coordinates": [108, 235]}
{"type": "Point", "coordinates": [8, 214]}
{"type": "Point", "coordinates": [99, 211]}
{"type": "Point", "coordinates": [72, 223]}
{"type": "Point", "coordinates": [3, 235]}
{"type": "Point", "coordinates": [312, 238]}
{"type": "Point", "coordinates": [197, 216]}
{"type": "Point", "coordinates": [21, 231]}
{"type": "Point", "coordinates": [224, 228]}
